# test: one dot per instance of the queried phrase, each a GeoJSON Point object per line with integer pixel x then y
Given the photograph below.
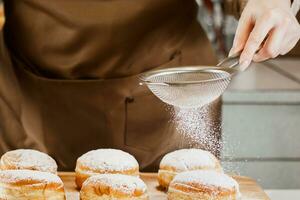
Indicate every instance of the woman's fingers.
{"type": "Point", "coordinates": [282, 38]}
{"type": "Point", "coordinates": [272, 46]}
{"type": "Point", "coordinates": [290, 40]}
{"type": "Point", "coordinates": [244, 28]}
{"type": "Point", "coordinates": [266, 24]}
{"type": "Point", "coordinates": [257, 36]}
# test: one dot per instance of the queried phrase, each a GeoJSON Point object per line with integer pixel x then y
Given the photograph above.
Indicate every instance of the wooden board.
{"type": "Point", "coordinates": [249, 188]}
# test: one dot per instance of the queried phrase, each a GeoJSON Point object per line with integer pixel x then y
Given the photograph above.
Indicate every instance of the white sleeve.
{"type": "Point", "coordinates": [296, 6]}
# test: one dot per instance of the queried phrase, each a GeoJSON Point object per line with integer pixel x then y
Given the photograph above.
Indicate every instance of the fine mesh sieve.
{"type": "Point", "coordinates": [191, 86]}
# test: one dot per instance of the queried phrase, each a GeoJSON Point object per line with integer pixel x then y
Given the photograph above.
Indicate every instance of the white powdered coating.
{"type": "Point", "coordinates": [15, 176]}
{"type": "Point", "coordinates": [108, 159]}
{"type": "Point", "coordinates": [125, 183]}
{"type": "Point", "coordinates": [208, 178]}
{"type": "Point", "coordinates": [188, 159]}
{"type": "Point", "coordinates": [197, 127]}
{"type": "Point", "coordinates": [29, 159]}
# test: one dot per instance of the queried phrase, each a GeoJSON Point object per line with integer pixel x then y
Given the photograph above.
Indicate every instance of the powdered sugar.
{"type": "Point", "coordinates": [126, 184]}
{"type": "Point", "coordinates": [15, 176]}
{"type": "Point", "coordinates": [189, 159]}
{"type": "Point", "coordinates": [197, 127]}
{"type": "Point", "coordinates": [28, 159]}
{"type": "Point", "coordinates": [208, 178]}
{"type": "Point", "coordinates": [108, 159]}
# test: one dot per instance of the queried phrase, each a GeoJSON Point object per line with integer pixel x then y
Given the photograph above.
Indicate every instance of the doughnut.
{"type": "Point", "coordinates": [204, 185]}
{"type": "Point", "coordinates": [28, 159]}
{"type": "Point", "coordinates": [105, 161]}
{"type": "Point", "coordinates": [113, 186]}
{"type": "Point", "coordinates": [185, 160]}
{"type": "Point", "coordinates": [30, 184]}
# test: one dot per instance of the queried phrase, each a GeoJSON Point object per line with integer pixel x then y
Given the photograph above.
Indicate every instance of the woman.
{"type": "Point", "coordinates": [68, 76]}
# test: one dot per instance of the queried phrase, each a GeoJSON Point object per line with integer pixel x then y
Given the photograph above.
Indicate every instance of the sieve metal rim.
{"type": "Point", "coordinates": [146, 76]}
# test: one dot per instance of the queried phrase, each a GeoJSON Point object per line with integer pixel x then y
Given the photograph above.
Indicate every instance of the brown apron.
{"type": "Point", "coordinates": [68, 75]}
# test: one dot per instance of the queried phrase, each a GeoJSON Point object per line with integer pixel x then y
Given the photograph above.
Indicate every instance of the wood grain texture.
{"type": "Point", "coordinates": [249, 188]}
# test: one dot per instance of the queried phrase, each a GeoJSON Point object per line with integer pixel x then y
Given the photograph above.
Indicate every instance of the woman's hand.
{"type": "Point", "coordinates": [268, 25]}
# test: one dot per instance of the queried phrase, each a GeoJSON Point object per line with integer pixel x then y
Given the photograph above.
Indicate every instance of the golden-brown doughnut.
{"type": "Point", "coordinates": [185, 160]}
{"type": "Point", "coordinates": [204, 185]}
{"type": "Point", "coordinates": [30, 184]}
{"type": "Point", "coordinates": [105, 161]}
{"type": "Point", "coordinates": [28, 159]}
{"type": "Point", "coordinates": [113, 186]}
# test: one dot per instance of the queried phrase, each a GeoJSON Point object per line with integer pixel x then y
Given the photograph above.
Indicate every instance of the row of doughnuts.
{"type": "Point", "coordinates": [114, 174]}
{"type": "Point", "coordinates": [29, 174]}
{"type": "Point", "coordinates": [101, 174]}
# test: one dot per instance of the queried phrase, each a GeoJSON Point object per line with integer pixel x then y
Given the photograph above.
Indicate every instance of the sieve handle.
{"type": "Point", "coordinates": [231, 62]}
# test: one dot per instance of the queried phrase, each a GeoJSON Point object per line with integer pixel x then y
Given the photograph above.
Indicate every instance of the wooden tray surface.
{"type": "Point", "coordinates": [249, 188]}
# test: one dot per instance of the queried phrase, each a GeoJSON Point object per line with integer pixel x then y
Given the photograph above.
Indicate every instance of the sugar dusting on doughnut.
{"type": "Point", "coordinates": [28, 159]}
{"type": "Point", "coordinates": [16, 176]}
{"type": "Point", "coordinates": [126, 184]}
{"type": "Point", "coordinates": [187, 159]}
{"type": "Point", "coordinates": [207, 177]}
{"type": "Point", "coordinates": [108, 159]}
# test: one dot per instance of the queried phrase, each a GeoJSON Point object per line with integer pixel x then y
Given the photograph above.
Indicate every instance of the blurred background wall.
{"type": "Point", "coordinates": [261, 109]}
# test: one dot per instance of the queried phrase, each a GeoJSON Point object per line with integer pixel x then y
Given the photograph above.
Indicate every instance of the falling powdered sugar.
{"type": "Point", "coordinates": [197, 127]}
{"type": "Point", "coordinates": [229, 148]}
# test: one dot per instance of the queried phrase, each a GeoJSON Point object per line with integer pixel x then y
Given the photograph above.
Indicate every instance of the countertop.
{"type": "Point", "coordinates": [283, 194]}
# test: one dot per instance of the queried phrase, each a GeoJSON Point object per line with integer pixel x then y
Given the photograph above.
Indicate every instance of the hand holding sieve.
{"type": "Point", "coordinates": [193, 86]}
